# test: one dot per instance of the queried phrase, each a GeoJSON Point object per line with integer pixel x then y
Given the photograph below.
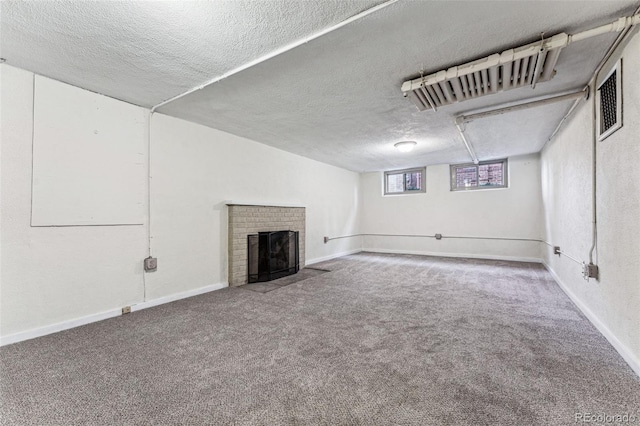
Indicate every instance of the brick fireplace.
{"type": "Point", "coordinates": [245, 219]}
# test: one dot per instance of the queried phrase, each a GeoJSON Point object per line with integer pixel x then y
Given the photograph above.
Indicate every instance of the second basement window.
{"type": "Point", "coordinates": [484, 175]}
{"type": "Point", "coordinates": [408, 181]}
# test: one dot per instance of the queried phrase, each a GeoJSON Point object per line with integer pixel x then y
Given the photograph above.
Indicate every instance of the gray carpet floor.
{"type": "Point", "coordinates": [379, 340]}
{"type": "Point", "coordinates": [301, 275]}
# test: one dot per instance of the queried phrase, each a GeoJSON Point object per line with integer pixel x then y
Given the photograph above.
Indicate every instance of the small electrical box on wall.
{"type": "Point", "coordinates": [590, 271]}
{"type": "Point", "coordinates": [150, 264]}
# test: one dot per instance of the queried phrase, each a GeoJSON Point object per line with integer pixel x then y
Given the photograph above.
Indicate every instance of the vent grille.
{"type": "Point", "coordinates": [608, 104]}
{"type": "Point", "coordinates": [522, 66]}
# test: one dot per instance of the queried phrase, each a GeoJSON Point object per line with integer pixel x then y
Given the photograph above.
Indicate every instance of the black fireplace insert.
{"type": "Point", "coordinates": [272, 255]}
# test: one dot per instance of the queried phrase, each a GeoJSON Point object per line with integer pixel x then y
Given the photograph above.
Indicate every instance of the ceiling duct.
{"type": "Point", "coordinates": [518, 67]}
{"type": "Point", "coordinates": [521, 66]}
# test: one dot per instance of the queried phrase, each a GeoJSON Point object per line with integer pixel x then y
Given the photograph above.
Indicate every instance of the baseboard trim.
{"type": "Point", "coordinates": [177, 296]}
{"type": "Point", "coordinates": [77, 322]}
{"type": "Point", "coordinates": [332, 256]}
{"type": "Point", "coordinates": [458, 255]}
{"type": "Point", "coordinates": [60, 326]}
{"type": "Point", "coordinates": [624, 352]}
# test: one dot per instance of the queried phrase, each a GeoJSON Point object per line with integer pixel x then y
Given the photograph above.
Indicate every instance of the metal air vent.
{"type": "Point", "coordinates": [522, 66]}
{"type": "Point", "coordinates": [609, 102]}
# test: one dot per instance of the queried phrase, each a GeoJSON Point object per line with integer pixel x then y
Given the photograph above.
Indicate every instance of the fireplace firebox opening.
{"type": "Point", "coordinates": [272, 255]}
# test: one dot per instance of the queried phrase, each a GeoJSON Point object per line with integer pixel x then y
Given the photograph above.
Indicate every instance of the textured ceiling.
{"type": "Point", "coordinates": [337, 98]}
{"type": "Point", "coordinates": [145, 52]}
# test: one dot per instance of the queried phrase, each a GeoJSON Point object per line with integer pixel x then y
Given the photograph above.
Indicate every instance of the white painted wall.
{"type": "Point", "coordinates": [89, 158]}
{"type": "Point", "coordinates": [54, 274]}
{"type": "Point", "coordinates": [55, 277]}
{"type": "Point", "coordinates": [514, 212]}
{"type": "Point", "coordinates": [612, 302]}
{"type": "Point", "coordinates": [196, 170]}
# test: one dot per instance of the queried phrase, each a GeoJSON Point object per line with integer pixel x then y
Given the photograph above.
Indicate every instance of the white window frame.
{"type": "Point", "coordinates": [505, 175]}
{"type": "Point", "coordinates": [617, 68]}
{"type": "Point", "coordinates": [422, 190]}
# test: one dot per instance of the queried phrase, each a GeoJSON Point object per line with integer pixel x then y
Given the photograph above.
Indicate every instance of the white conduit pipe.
{"type": "Point", "coordinates": [616, 26]}
{"type": "Point", "coordinates": [279, 51]}
{"type": "Point", "coordinates": [625, 27]}
{"type": "Point", "coordinates": [594, 210]}
{"type": "Point", "coordinates": [557, 129]}
{"type": "Point", "coordinates": [150, 116]}
{"type": "Point", "coordinates": [621, 24]}
{"type": "Point", "coordinates": [467, 118]}
{"type": "Point", "coordinates": [468, 145]}
{"type": "Point", "coordinates": [532, 104]}
{"type": "Point", "coordinates": [148, 135]}
{"type": "Point", "coordinates": [579, 262]}
{"type": "Point", "coordinates": [444, 237]}
{"type": "Point", "coordinates": [327, 239]}
{"type": "Point", "coordinates": [452, 237]}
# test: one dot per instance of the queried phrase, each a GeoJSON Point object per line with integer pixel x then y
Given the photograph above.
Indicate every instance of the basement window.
{"type": "Point", "coordinates": [484, 175]}
{"type": "Point", "coordinates": [409, 181]}
{"type": "Point", "coordinates": [609, 103]}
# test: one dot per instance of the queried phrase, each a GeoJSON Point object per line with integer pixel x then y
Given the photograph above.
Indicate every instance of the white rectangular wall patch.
{"type": "Point", "coordinates": [89, 158]}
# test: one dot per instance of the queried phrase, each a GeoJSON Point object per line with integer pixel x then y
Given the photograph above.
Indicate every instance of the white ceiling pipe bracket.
{"type": "Point", "coordinates": [278, 52]}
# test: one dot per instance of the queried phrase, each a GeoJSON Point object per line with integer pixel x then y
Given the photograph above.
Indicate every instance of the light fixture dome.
{"type": "Point", "coordinates": [405, 146]}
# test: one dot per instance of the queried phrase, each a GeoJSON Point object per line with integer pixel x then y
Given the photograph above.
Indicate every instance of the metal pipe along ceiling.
{"type": "Point", "coordinates": [532, 104]}
{"type": "Point", "coordinates": [520, 66]}
{"type": "Point", "coordinates": [467, 145]}
{"type": "Point", "coordinates": [279, 51]}
{"type": "Point", "coordinates": [525, 105]}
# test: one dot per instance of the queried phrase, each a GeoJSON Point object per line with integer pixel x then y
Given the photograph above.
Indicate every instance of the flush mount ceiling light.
{"type": "Point", "coordinates": [405, 146]}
